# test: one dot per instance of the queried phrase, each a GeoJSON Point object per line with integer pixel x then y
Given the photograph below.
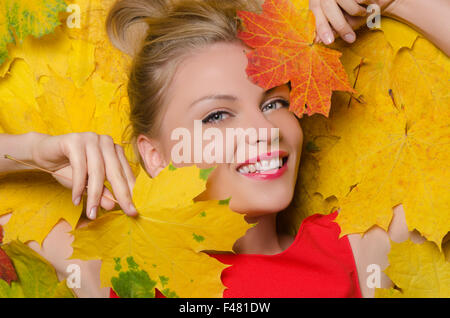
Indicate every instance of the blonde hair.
{"type": "Point", "coordinates": [159, 34]}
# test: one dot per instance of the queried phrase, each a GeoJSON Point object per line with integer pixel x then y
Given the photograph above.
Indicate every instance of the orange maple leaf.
{"type": "Point", "coordinates": [284, 51]}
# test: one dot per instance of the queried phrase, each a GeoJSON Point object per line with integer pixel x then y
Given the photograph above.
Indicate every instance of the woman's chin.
{"type": "Point", "coordinates": [260, 205]}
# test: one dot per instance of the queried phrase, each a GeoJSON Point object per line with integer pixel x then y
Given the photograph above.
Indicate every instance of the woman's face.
{"type": "Point", "coordinates": [212, 88]}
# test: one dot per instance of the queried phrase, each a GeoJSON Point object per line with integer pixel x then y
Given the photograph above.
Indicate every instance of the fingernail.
{"type": "Point", "coordinates": [328, 38]}
{"type": "Point", "coordinates": [349, 37]}
{"type": "Point", "coordinates": [132, 209]}
{"type": "Point", "coordinates": [77, 200]}
{"type": "Point", "coordinates": [93, 213]}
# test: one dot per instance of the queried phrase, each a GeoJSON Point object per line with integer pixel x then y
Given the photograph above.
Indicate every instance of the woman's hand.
{"type": "Point", "coordinates": [341, 17]}
{"type": "Point", "coordinates": [88, 157]}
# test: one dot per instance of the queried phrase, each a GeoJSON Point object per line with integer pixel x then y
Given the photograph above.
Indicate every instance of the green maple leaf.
{"type": "Point", "coordinates": [20, 18]}
{"type": "Point", "coordinates": [36, 277]}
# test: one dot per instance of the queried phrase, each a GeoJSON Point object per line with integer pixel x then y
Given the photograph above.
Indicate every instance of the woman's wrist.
{"type": "Point", "coordinates": [32, 142]}
{"type": "Point", "coordinates": [26, 151]}
{"type": "Point", "coordinates": [27, 143]}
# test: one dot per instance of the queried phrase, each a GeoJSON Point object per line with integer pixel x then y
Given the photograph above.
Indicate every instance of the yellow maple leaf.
{"type": "Point", "coordinates": [108, 58]}
{"type": "Point", "coordinates": [55, 105]}
{"type": "Point", "coordinates": [397, 34]}
{"type": "Point", "coordinates": [167, 237]}
{"type": "Point", "coordinates": [51, 49]}
{"type": "Point", "coordinates": [71, 84]}
{"type": "Point", "coordinates": [417, 270]}
{"type": "Point", "coordinates": [402, 165]}
{"type": "Point", "coordinates": [38, 203]}
{"type": "Point", "coordinates": [55, 52]}
{"type": "Point", "coordinates": [92, 19]}
{"type": "Point", "coordinates": [446, 250]}
{"type": "Point", "coordinates": [391, 150]}
{"type": "Point", "coordinates": [67, 108]}
{"type": "Point", "coordinates": [20, 19]}
{"type": "Point", "coordinates": [19, 113]}
{"type": "Point", "coordinates": [377, 58]}
{"type": "Point", "coordinates": [420, 78]}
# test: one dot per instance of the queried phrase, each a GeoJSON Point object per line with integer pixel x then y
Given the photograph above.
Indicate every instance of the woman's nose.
{"type": "Point", "coordinates": [264, 130]}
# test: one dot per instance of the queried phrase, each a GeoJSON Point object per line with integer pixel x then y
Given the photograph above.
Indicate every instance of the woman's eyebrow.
{"type": "Point", "coordinates": [269, 92]}
{"type": "Point", "coordinates": [214, 97]}
{"type": "Point", "coordinates": [228, 97]}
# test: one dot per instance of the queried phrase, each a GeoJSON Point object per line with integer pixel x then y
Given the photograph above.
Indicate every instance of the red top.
{"type": "Point", "coordinates": [317, 264]}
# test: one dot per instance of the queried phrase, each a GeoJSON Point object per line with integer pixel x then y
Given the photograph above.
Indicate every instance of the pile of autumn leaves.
{"type": "Point", "coordinates": [383, 143]}
{"type": "Point", "coordinates": [73, 80]}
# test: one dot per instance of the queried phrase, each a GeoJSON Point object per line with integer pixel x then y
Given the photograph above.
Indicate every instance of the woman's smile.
{"type": "Point", "coordinates": [269, 166]}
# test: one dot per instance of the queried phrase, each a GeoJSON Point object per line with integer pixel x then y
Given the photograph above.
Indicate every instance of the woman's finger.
{"type": "Point", "coordinates": [323, 28]}
{"type": "Point", "coordinates": [131, 178]}
{"type": "Point", "coordinates": [352, 7]}
{"type": "Point", "coordinates": [74, 150]}
{"type": "Point", "coordinates": [337, 20]}
{"type": "Point", "coordinates": [96, 179]}
{"type": "Point", "coordinates": [116, 176]}
{"type": "Point", "coordinates": [355, 22]}
{"type": "Point", "coordinates": [105, 202]}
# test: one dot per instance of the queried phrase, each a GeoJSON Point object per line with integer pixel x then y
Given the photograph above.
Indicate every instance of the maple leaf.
{"type": "Point", "coordinates": [163, 246]}
{"type": "Point", "coordinates": [420, 77]}
{"type": "Point", "coordinates": [53, 107]}
{"type": "Point", "coordinates": [38, 203]}
{"type": "Point", "coordinates": [282, 38]}
{"type": "Point", "coordinates": [56, 70]}
{"type": "Point", "coordinates": [108, 59]}
{"type": "Point", "coordinates": [61, 99]}
{"type": "Point", "coordinates": [446, 250]}
{"type": "Point", "coordinates": [7, 271]}
{"type": "Point", "coordinates": [133, 283]}
{"type": "Point", "coordinates": [15, 103]}
{"type": "Point", "coordinates": [418, 271]}
{"type": "Point", "coordinates": [398, 35]}
{"type": "Point", "coordinates": [36, 277]}
{"type": "Point", "coordinates": [18, 19]}
{"type": "Point", "coordinates": [52, 49]}
{"type": "Point", "coordinates": [391, 150]}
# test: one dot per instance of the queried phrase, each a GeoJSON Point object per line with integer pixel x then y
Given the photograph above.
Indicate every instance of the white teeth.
{"type": "Point", "coordinates": [244, 170]}
{"type": "Point", "coordinates": [274, 163]}
{"type": "Point", "coordinates": [261, 166]}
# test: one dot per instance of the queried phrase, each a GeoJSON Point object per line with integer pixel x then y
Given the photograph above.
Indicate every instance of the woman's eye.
{"type": "Point", "coordinates": [215, 117]}
{"type": "Point", "coordinates": [274, 105]}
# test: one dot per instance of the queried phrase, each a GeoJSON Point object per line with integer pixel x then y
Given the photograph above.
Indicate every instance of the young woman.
{"type": "Point", "coordinates": [190, 66]}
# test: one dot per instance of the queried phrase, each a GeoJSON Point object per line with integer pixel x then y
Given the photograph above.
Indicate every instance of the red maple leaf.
{"type": "Point", "coordinates": [282, 38]}
{"type": "Point", "coordinates": [7, 271]}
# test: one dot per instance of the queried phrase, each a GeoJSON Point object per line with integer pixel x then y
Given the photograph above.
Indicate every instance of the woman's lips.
{"type": "Point", "coordinates": [269, 166]}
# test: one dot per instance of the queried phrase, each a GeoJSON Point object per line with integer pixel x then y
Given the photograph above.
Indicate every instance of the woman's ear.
{"type": "Point", "coordinates": [154, 162]}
